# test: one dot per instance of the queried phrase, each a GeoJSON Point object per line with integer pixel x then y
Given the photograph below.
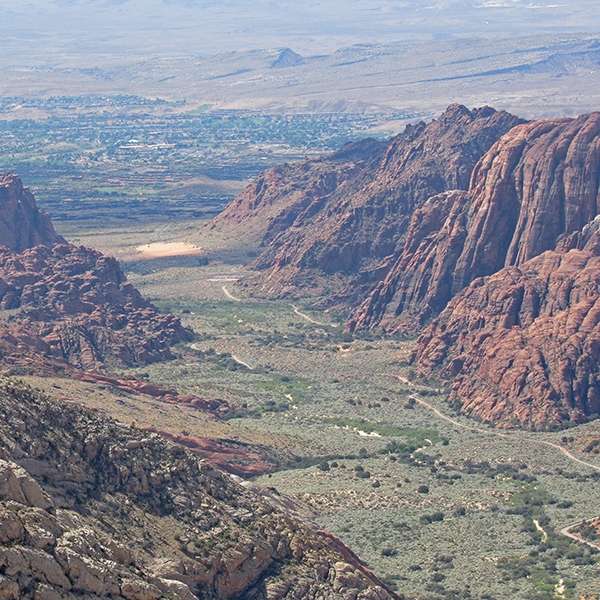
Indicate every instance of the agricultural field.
{"type": "Point", "coordinates": [437, 505]}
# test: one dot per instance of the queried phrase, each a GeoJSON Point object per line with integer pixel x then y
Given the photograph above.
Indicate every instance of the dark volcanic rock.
{"type": "Point", "coordinates": [539, 182]}
{"type": "Point", "coordinates": [523, 345]}
{"type": "Point", "coordinates": [334, 216]}
{"type": "Point", "coordinates": [22, 224]}
{"type": "Point", "coordinates": [75, 304]}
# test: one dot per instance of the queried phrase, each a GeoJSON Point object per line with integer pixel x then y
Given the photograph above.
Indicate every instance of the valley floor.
{"type": "Point", "coordinates": [437, 505]}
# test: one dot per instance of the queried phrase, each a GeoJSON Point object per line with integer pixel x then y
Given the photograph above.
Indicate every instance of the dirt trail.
{"type": "Point", "coordinates": [240, 361]}
{"type": "Point", "coordinates": [306, 316]}
{"type": "Point", "coordinates": [226, 292]}
{"type": "Point", "coordinates": [505, 435]}
{"type": "Point", "coordinates": [565, 530]}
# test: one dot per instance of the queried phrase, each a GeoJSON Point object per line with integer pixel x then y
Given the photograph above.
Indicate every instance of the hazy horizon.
{"type": "Point", "coordinates": [43, 31]}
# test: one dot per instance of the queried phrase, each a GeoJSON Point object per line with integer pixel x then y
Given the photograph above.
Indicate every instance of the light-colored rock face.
{"type": "Point", "coordinates": [80, 518]}
{"type": "Point", "coordinates": [22, 224]}
{"type": "Point", "coordinates": [17, 485]}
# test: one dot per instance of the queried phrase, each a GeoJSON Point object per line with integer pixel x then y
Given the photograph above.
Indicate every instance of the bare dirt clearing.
{"type": "Point", "coordinates": [161, 249]}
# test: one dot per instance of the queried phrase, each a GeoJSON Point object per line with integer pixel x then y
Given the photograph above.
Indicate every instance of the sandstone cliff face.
{"type": "Point", "coordinates": [284, 193]}
{"type": "Point", "coordinates": [91, 508]}
{"type": "Point", "coordinates": [522, 346]}
{"type": "Point", "coordinates": [22, 224]}
{"type": "Point", "coordinates": [540, 181]}
{"type": "Point", "coordinates": [328, 219]}
{"type": "Point", "coordinates": [77, 305]}
{"type": "Point", "coordinates": [418, 284]}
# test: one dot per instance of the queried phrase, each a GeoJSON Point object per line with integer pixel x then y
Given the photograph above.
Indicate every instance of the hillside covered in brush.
{"type": "Point", "coordinates": [92, 508]}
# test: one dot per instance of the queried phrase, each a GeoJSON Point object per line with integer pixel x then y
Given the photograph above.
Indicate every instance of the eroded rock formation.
{"type": "Point", "coordinates": [537, 183]}
{"type": "Point", "coordinates": [75, 304]}
{"type": "Point", "coordinates": [522, 347]}
{"type": "Point", "coordinates": [335, 216]}
{"type": "Point", "coordinates": [22, 224]}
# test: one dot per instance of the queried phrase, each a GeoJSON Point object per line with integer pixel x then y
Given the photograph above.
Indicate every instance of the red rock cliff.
{"type": "Point", "coordinates": [22, 224]}
{"type": "Point", "coordinates": [522, 346]}
{"type": "Point", "coordinates": [334, 216]}
{"type": "Point", "coordinates": [75, 304]}
{"type": "Point", "coordinates": [540, 181]}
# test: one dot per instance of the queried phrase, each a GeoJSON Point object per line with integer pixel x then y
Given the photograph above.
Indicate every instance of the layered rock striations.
{"type": "Point", "coordinates": [22, 224]}
{"type": "Point", "coordinates": [522, 346]}
{"type": "Point", "coordinates": [75, 304]}
{"type": "Point", "coordinates": [507, 262]}
{"type": "Point", "coordinates": [284, 193]}
{"type": "Point", "coordinates": [537, 183]}
{"type": "Point", "coordinates": [93, 509]}
{"type": "Point", "coordinates": [333, 217]}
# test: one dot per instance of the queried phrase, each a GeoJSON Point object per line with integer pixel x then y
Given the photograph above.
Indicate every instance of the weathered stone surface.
{"type": "Point", "coordinates": [77, 305]}
{"type": "Point", "coordinates": [418, 285]}
{"type": "Point", "coordinates": [192, 533]}
{"type": "Point", "coordinates": [17, 485]}
{"type": "Point", "coordinates": [539, 182]}
{"type": "Point", "coordinates": [11, 527]}
{"type": "Point", "coordinates": [22, 224]}
{"type": "Point", "coordinates": [523, 345]}
{"type": "Point", "coordinates": [321, 224]}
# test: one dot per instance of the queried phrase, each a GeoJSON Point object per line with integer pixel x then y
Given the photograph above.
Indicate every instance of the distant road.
{"type": "Point", "coordinates": [240, 361]}
{"type": "Point", "coordinates": [505, 435]}
{"type": "Point", "coordinates": [311, 320]}
{"type": "Point", "coordinates": [567, 531]}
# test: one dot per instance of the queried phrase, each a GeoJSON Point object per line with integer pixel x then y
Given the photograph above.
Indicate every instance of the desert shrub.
{"type": "Point", "coordinates": [432, 518]}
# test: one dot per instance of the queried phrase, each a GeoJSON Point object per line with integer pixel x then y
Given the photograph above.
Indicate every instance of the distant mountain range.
{"type": "Point", "coordinates": [129, 27]}
{"type": "Point", "coordinates": [540, 76]}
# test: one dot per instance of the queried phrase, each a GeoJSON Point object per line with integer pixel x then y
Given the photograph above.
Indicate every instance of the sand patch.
{"type": "Point", "coordinates": [160, 249]}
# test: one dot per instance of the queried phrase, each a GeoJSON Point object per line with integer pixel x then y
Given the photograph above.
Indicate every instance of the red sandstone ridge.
{"type": "Point", "coordinates": [75, 305]}
{"type": "Point", "coordinates": [130, 385]}
{"type": "Point", "coordinates": [523, 345]}
{"type": "Point", "coordinates": [284, 193]}
{"type": "Point", "coordinates": [538, 182]}
{"type": "Point", "coordinates": [243, 462]}
{"type": "Point", "coordinates": [332, 217]}
{"type": "Point", "coordinates": [22, 224]}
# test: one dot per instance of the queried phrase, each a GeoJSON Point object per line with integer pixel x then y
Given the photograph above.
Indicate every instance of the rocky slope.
{"type": "Point", "coordinates": [334, 216]}
{"type": "Point", "coordinates": [75, 305]}
{"type": "Point", "coordinates": [538, 182]}
{"type": "Point", "coordinates": [522, 347]}
{"type": "Point", "coordinates": [69, 304]}
{"type": "Point", "coordinates": [70, 311]}
{"type": "Point", "coordinates": [22, 224]}
{"type": "Point", "coordinates": [90, 508]}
